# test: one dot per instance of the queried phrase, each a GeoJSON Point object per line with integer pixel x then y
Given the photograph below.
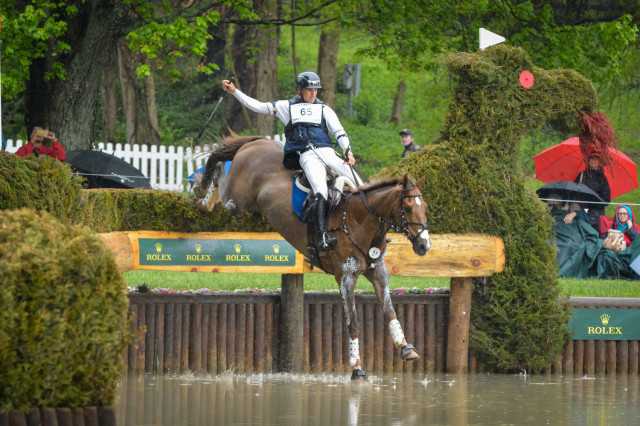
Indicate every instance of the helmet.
{"type": "Point", "coordinates": [308, 80]}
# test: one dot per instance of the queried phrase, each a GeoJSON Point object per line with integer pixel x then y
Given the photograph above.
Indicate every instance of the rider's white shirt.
{"type": "Point", "coordinates": [282, 112]}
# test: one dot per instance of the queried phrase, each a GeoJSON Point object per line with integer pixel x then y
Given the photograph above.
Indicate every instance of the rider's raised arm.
{"type": "Point", "coordinates": [279, 108]}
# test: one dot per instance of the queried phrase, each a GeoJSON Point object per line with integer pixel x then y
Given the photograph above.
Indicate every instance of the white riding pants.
{"type": "Point", "coordinates": [313, 163]}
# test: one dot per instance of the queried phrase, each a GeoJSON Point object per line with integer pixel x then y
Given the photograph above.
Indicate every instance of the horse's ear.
{"type": "Point", "coordinates": [420, 182]}
{"type": "Point", "coordinates": [405, 180]}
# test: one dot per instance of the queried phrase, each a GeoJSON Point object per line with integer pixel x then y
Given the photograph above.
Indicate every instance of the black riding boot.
{"type": "Point", "coordinates": [325, 243]}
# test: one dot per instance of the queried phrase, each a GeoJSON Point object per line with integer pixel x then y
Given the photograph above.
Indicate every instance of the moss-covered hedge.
{"type": "Point", "coordinates": [46, 184]}
{"type": "Point", "coordinates": [63, 314]}
{"type": "Point", "coordinates": [474, 184]}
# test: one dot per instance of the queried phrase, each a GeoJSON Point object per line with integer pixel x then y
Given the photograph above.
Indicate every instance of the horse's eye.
{"type": "Point", "coordinates": [408, 210]}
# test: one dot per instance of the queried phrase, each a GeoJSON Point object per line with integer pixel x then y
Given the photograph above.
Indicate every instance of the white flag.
{"type": "Point", "coordinates": [487, 38]}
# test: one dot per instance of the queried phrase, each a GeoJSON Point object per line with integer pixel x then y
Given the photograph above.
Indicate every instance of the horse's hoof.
{"type": "Point", "coordinates": [359, 376]}
{"type": "Point", "coordinates": [408, 353]}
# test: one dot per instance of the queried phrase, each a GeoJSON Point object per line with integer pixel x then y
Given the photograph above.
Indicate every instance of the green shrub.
{"type": "Point", "coordinates": [44, 183]}
{"type": "Point", "coordinates": [474, 184]}
{"type": "Point", "coordinates": [63, 314]}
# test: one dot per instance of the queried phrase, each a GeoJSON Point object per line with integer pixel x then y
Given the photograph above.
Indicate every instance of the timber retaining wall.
{"type": "Point", "coordinates": [240, 332]}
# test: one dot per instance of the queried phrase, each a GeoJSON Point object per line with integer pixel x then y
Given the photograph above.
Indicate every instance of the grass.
{"type": "Point", "coordinates": [317, 282]}
{"type": "Point", "coordinates": [193, 281]}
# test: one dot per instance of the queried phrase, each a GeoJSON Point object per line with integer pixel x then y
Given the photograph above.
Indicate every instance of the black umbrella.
{"type": "Point", "coordinates": [569, 191]}
{"type": "Point", "coordinates": [104, 170]}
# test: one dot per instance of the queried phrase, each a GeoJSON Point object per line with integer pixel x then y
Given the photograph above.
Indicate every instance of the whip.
{"type": "Point", "coordinates": [214, 111]}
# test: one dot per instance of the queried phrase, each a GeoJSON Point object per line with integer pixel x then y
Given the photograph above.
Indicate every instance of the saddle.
{"type": "Point", "coordinates": [302, 198]}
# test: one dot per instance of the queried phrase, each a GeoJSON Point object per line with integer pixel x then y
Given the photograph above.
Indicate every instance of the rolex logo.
{"type": "Point", "coordinates": [276, 248]}
{"type": "Point", "coordinates": [238, 247]}
{"type": "Point", "coordinates": [198, 248]}
{"type": "Point", "coordinates": [158, 247]}
{"type": "Point", "coordinates": [605, 319]}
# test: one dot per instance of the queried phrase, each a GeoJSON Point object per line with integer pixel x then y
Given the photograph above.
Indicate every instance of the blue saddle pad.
{"type": "Point", "coordinates": [192, 177]}
{"type": "Point", "coordinates": [297, 198]}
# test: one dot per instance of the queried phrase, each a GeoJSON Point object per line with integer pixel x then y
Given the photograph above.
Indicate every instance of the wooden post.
{"type": "Point", "coordinates": [459, 320]}
{"type": "Point", "coordinates": [291, 321]}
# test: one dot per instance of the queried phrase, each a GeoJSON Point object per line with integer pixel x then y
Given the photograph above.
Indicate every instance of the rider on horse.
{"type": "Point", "coordinates": [309, 125]}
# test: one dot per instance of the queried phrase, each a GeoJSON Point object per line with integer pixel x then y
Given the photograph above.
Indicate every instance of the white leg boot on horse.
{"type": "Point", "coordinates": [325, 243]}
{"type": "Point", "coordinates": [379, 277]}
{"type": "Point", "coordinates": [347, 280]}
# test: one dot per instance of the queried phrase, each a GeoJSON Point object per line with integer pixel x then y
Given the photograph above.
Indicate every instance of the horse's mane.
{"type": "Point", "coordinates": [224, 151]}
{"type": "Point", "coordinates": [381, 183]}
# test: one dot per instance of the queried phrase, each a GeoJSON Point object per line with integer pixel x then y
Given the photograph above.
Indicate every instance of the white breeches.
{"type": "Point", "coordinates": [313, 163]}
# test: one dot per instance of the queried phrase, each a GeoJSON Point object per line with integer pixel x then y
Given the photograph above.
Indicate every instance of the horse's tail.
{"type": "Point", "coordinates": [225, 151]}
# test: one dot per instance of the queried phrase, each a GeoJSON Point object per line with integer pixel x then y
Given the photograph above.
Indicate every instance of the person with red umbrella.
{"type": "Point", "coordinates": [593, 176]}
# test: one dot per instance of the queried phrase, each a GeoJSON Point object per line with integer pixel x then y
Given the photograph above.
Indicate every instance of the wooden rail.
{"type": "Point", "coordinates": [460, 257]}
{"type": "Point", "coordinates": [244, 333]}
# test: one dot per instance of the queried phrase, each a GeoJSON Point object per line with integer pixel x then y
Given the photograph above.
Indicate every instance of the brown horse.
{"type": "Point", "coordinates": [257, 182]}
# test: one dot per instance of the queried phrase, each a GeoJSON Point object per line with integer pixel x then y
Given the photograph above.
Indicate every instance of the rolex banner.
{"type": "Point", "coordinates": [215, 252]}
{"type": "Point", "coordinates": [605, 324]}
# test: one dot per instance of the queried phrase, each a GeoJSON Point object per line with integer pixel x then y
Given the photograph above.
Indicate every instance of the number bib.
{"type": "Point", "coordinates": [306, 113]}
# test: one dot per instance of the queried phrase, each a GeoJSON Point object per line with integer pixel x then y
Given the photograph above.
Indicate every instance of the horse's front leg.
{"type": "Point", "coordinates": [379, 277]}
{"type": "Point", "coordinates": [347, 279]}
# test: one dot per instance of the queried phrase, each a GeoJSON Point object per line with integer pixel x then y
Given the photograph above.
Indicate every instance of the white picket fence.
{"type": "Point", "coordinates": [166, 167]}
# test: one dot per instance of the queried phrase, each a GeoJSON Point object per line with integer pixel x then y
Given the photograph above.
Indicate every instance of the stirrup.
{"type": "Point", "coordinates": [326, 243]}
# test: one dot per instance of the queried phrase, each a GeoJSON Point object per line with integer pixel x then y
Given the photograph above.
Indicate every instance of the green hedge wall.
{"type": "Point", "coordinates": [63, 314]}
{"type": "Point", "coordinates": [46, 184]}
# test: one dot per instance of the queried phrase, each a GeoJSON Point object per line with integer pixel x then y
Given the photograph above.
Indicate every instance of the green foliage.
{"type": "Point", "coordinates": [63, 315]}
{"type": "Point", "coordinates": [40, 183]}
{"type": "Point", "coordinates": [473, 184]}
{"type": "Point", "coordinates": [44, 183]}
{"type": "Point", "coordinates": [30, 33]}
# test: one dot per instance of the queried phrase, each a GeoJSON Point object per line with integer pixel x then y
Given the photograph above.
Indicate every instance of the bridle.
{"type": "Point", "coordinates": [403, 228]}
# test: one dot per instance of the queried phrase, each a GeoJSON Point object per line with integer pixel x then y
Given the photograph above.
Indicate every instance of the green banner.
{"type": "Point", "coordinates": [605, 324]}
{"type": "Point", "coordinates": [208, 252]}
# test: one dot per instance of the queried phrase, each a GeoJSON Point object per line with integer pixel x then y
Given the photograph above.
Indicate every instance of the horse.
{"type": "Point", "coordinates": [258, 182]}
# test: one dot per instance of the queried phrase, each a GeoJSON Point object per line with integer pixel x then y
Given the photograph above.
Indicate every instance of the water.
{"type": "Point", "coordinates": [289, 399]}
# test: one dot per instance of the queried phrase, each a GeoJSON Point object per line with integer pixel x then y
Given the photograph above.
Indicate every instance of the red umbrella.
{"type": "Point", "coordinates": [564, 161]}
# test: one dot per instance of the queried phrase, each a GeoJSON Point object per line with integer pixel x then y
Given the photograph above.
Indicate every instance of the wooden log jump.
{"type": "Point", "coordinates": [459, 257]}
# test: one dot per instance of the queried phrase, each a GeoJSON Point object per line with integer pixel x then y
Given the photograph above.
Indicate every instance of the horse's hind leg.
{"type": "Point", "coordinates": [347, 279]}
{"type": "Point", "coordinates": [379, 277]}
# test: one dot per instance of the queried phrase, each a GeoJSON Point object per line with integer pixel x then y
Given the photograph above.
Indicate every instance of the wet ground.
{"type": "Point", "coordinates": [289, 399]}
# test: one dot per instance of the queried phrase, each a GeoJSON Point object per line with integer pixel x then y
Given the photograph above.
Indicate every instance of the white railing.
{"type": "Point", "coordinates": [166, 167]}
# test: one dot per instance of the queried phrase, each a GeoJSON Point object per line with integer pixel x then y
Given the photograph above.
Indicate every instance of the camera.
{"type": "Point", "coordinates": [47, 142]}
{"type": "Point", "coordinates": [42, 132]}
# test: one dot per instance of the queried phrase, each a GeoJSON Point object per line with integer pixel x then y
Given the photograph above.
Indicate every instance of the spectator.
{"type": "Point", "coordinates": [43, 142]}
{"type": "Point", "coordinates": [595, 179]}
{"type": "Point", "coordinates": [624, 221]}
{"type": "Point", "coordinates": [409, 144]}
{"type": "Point", "coordinates": [575, 210]}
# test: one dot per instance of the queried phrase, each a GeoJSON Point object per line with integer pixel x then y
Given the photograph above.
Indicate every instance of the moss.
{"type": "Point", "coordinates": [474, 184]}
{"type": "Point", "coordinates": [63, 314]}
{"type": "Point", "coordinates": [46, 184]}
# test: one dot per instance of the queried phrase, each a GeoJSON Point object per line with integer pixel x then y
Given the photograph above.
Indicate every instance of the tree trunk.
{"type": "Point", "coordinates": [67, 106]}
{"type": "Point", "coordinates": [253, 57]}
{"type": "Point", "coordinates": [328, 64]}
{"type": "Point", "coordinates": [129, 92]}
{"type": "Point", "coordinates": [267, 66]}
{"type": "Point", "coordinates": [236, 116]}
{"type": "Point", "coordinates": [398, 102]}
{"type": "Point", "coordinates": [108, 97]}
{"type": "Point", "coordinates": [152, 130]}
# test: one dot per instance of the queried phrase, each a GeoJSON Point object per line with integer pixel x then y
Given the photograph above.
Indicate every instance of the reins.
{"type": "Point", "coordinates": [402, 229]}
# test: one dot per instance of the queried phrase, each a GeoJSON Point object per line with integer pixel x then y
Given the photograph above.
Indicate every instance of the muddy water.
{"type": "Point", "coordinates": [276, 399]}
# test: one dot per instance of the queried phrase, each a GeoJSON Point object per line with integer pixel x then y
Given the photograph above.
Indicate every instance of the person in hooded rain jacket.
{"type": "Point", "coordinates": [624, 221]}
